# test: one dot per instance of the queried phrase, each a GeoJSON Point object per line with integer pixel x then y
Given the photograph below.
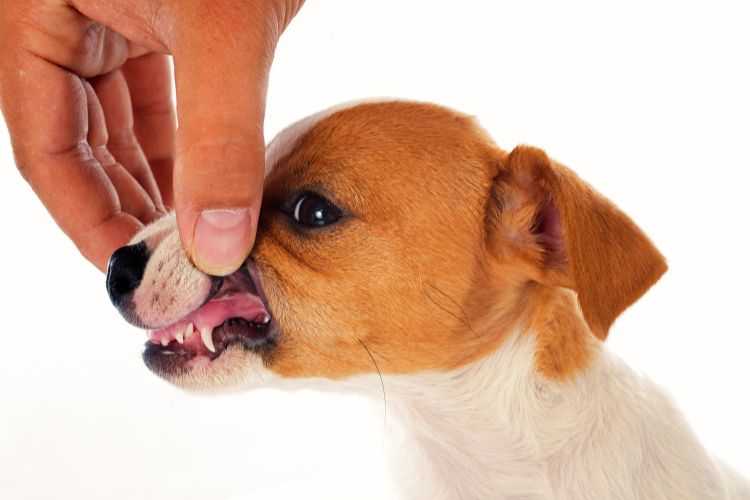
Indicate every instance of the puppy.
{"type": "Point", "coordinates": [397, 245]}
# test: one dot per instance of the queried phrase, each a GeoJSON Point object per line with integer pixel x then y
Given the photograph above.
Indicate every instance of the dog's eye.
{"type": "Point", "coordinates": [313, 210]}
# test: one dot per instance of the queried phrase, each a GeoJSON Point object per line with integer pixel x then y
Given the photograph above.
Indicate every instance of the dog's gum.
{"type": "Point", "coordinates": [212, 314]}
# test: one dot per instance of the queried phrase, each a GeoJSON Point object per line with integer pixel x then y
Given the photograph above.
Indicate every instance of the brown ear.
{"type": "Point", "coordinates": [578, 237]}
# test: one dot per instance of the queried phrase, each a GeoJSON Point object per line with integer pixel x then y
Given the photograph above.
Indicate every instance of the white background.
{"type": "Point", "coordinates": [647, 100]}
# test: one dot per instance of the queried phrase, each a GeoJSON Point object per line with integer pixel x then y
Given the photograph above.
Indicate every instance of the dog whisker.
{"type": "Point", "coordinates": [462, 316]}
{"type": "Point", "coordinates": [382, 384]}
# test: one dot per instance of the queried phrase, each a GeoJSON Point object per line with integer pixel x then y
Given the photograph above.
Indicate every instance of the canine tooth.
{"type": "Point", "coordinates": [206, 338]}
{"type": "Point", "coordinates": [165, 341]}
{"type": "Point", "coordinates": [262, 319]}
{"type": "Point", "coordinates": [189, 330]}
{"type": "Point", "coordinates": [180, 337]}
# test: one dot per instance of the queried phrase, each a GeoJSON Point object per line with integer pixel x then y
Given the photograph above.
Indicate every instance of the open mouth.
{"type": "Point", "coordinates": [235, 314]}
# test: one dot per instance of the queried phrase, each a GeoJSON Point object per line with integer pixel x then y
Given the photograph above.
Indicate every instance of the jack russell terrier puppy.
{"type": "Point", "coordinates": [398, 245]}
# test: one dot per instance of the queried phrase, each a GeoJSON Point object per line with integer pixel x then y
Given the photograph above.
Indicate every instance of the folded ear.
{"type": "Point", "coordinates": [576, 238]}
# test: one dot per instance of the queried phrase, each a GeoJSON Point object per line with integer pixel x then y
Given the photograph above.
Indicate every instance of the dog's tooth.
{"type": "Point", "coordinates": [189, 330]}
{"type": "Point", "coordinates": [165, 341]}
{"type": "Point", "coordinates": [180, 336]}
{"type": "Point", "coordinates": [262, 319]}
{"type": "Point", "coordinates": [206, 332]}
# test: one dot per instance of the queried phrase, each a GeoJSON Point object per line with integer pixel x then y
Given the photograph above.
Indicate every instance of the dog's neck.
{"type": "Point", "coordinates": [497, 428]}
{"type": "Point", "coordinates": [472, 432]}
{"type": "Point", "coordinates": [479, 430]}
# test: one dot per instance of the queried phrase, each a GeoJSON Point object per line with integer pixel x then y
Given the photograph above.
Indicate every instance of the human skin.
{"type": "Point", "coordinates": [85, 88]}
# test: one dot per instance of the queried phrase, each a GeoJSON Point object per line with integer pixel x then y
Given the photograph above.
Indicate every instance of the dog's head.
{"type": "Point", "coordinates": [396, 237]}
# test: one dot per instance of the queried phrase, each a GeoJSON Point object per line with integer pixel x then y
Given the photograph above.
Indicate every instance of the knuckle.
{"type": "Point", "coordinates": [154, 108]}
{"type": "Point", "coordinates": [123, 141]}
{"type": "Point", "coordinates": [62, 35]}
{"type": "Point", "coordinates": [85, 48]}
{"type": "Point", "coordinates": [103, 156]}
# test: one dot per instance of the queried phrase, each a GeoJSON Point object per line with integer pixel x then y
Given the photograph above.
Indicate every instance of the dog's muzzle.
{"type": "Point", "coordinates": [234, 312]}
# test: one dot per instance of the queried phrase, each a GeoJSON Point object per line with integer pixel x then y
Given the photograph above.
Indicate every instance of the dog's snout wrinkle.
{"type": "Point", "coordinates": [125, 272]}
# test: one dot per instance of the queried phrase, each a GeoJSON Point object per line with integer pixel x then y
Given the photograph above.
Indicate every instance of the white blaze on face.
{"type": "Point", "coordinates": [286, 140]}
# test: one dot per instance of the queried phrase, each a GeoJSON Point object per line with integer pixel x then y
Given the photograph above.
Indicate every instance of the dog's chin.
{"type": "Point", "coordinates": [236, 369]}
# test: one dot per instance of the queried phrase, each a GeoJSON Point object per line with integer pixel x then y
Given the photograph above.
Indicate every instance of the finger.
{"type": "Point", "coordinates": [59, 33]}
{"type": "Point", "coordinates": [221, 91]}
{"type": "Point", "coordinates": [46, 112]}
{"type": "Point", "coordinates": [133, 198]}
{"type": "Point", "coordinates": [149, 80]}
{"type": "Point", "coordinates": [111, 90]}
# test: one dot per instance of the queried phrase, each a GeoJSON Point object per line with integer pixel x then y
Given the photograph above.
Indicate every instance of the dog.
{"type": "Point", "coordinates": [400, 252]}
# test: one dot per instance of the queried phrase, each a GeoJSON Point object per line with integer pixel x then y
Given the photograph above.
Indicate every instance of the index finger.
{"type": "Point", "coordinates": [219, 163]}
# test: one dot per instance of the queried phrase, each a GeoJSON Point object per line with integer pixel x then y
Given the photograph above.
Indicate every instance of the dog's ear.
{"type": "Point", "coordinates": [574, 237]}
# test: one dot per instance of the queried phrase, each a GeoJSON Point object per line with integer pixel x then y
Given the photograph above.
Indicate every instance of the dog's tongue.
{"type": "Point", "coordinates": [212, 314]}
{"type": "Point", "coordinates": [241, 305]}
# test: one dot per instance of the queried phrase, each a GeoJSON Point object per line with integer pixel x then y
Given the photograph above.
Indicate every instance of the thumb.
{"type": "Point", "coordinates": [222, 57]}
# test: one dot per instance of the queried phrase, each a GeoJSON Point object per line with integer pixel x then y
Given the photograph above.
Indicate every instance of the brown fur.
{"type": "Point", "coordinates": [605, 257]}
{"type": "Point", "coordinates": [442, 253]}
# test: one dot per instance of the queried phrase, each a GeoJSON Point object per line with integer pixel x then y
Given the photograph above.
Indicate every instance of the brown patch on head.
{"type": "Point", "coordinates": [447, 243]}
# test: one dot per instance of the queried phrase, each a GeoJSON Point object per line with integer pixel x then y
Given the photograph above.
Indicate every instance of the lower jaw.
{"type": "Point", "coordinates": [169, 364]}
{"type": "Point", "coordinates": [166, 365]}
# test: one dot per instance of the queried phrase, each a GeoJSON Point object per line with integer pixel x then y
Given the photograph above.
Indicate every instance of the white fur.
{"type": "Point", "coordinates": [497, 429]}
{"type": "Point", "coordinates": [287, 140]}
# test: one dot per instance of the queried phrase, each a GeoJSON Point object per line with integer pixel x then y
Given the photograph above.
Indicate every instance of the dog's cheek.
{"type": "Point", "coordinates": [354, 331]}
{"type": "Point", "coordinates": [318, 329]}
{"type": "Point", "coordinates": [323, 330]}
{"type": "Point", "coordinates": [296, 356]}
{"type": "Point", "coordinates": [171, 286]}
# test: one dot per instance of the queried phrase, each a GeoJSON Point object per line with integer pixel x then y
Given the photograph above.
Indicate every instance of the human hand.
{"type": "Point", "coordinates": [85, 87]}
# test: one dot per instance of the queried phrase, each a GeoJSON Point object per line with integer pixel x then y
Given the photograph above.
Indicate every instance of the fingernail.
{"type": "Point", "coordinates": [222, 240]}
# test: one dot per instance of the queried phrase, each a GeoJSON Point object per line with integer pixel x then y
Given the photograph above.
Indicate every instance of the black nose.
{"type": "Point", "coordinates": [125, 271]}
